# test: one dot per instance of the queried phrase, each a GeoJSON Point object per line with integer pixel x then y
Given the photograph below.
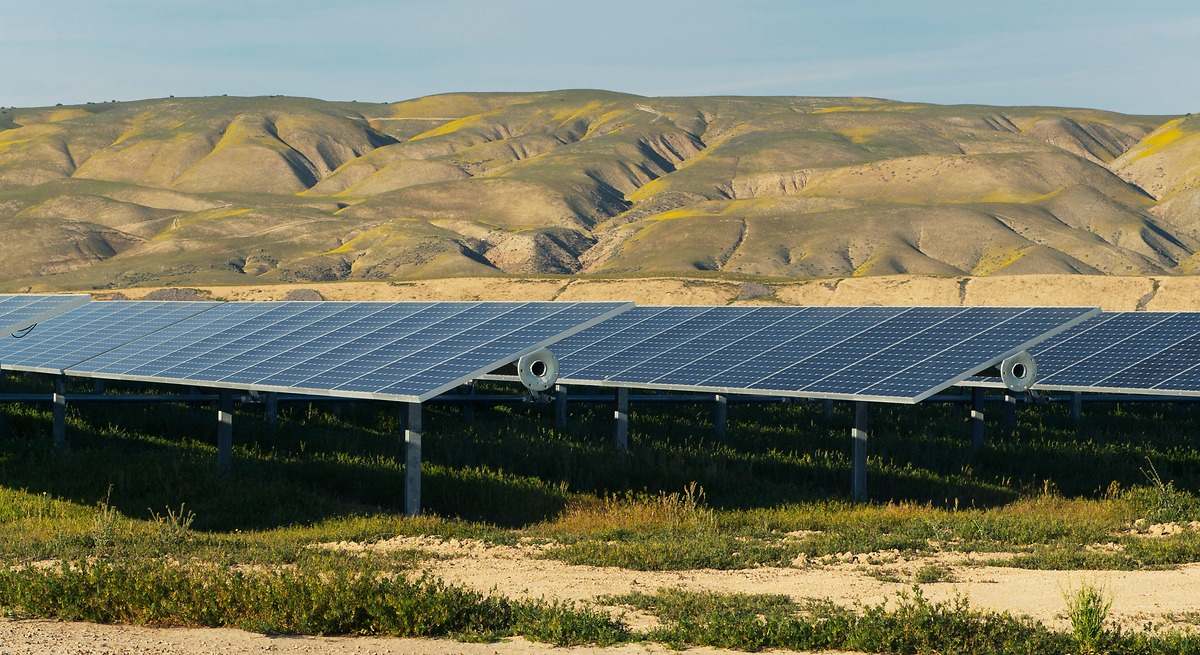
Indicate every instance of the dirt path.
{"type": "Point", "coordinates": [1138, 596]}
{"type": "Point", "coordinates": [51, 638]}
{"type": "Point", "coordinates": [1111, 292]}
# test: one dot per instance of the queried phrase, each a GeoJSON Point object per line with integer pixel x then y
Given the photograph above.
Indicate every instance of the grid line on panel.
{"type": "Point", "coordinates": [1195, 333]}
{"type": "Point", "coordinates": [128, 330]}
{"type": "Point", "coordinates": [589, 347]}
{"type": "Point", "coordinates": [890, 346]}
{"type": "Point", "coordinates": [240, 341]}
{"type": "Point", "coordinates": [1049, 379]}
{"type": "Point", "coordinates": [989, 328]}
{"type": "Point", "coordinates": [893, 317]}
{"type": "Point", "coordinates": [24, 347]}
{"type": "Point", "coordinates": [36, 309]}
{"type": "Point", "coordinates": [126, 339]}
{"type": "Point", "coordinates": [1179, 374]}
{"type": "Point", "coordinates": [1081, 331]}
{"type": "Point", "coordinates": [124, 363]}
{"type": "Point", "coordinates": [441, 341]}
{"type": "Point", "coordinates": [464, 307]}
{"type": "Point", "coordinates": [780, 346]}
{"type": "Point", "coordinates": [786, 317]}
{"type": "Point", "coordinates": [436, 325]}
{"type": "Point", "coordinates": [562, 355]}
{"type": "Point", "coordinates": [200, 344]}
{"type": "Point", "coordinates": [340, 326]}
{"type": "Point", "coordinates": [48, 348]}
{"type": "Point", "coordinates": [289, 353]}
{"type": "Point", "coordinates": [748, 313]}
{"type": "Point", "coordinates": [607, 357]}
{"type": "Point", "coordinates": [430, 367]}
{"type": "Point", "coordinates": [492, 362]}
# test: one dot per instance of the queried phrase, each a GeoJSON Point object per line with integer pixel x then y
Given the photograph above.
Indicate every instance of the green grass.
{"type": "Point", "coordinates": [329, 599]}
{"type": "Point", "coordinates": [910, 623]}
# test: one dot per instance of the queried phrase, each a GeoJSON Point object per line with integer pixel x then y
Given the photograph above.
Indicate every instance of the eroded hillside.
{"type": "Point", "coordinates": [588, 183]}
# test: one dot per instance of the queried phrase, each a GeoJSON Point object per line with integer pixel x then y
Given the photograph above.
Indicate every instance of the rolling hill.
{"type": "Point", "coordinates": [224, 190]}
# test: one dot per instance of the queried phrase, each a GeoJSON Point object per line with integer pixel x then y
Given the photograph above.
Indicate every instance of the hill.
{"type": "Point", "coordinates": [587, 183]}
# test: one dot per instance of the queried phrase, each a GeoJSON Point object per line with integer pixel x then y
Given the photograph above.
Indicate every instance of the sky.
{"type": "Point", "coordinates": [1136, 57]}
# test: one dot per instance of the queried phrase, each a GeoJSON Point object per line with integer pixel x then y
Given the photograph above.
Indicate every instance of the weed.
{"type": "Point", "coordinates": [1088, 608]}
{"type": "Point", "coordinates": [931, 573]}
{"type": "Point", "coordinates": [104, 523]}
{"type": "Point", "coordinates": [173, 528]}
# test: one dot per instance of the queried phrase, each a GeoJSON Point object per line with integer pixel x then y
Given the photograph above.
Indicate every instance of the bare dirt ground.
{"type": "Point", "coordinates": [1108, 292]}
{"type": "Point", "coordinates": [54, 638]}
{"type": "Point", "coordinates": [1138, 596]}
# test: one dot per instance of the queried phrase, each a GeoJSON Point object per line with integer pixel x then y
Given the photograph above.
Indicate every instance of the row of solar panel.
{"type": "Point", "coordinates": [1154, 353]}
{"type": "Point", "coordinates": [865, 353]}
{"type": "Point", "coordinates": [413, 351]}
{"type": "Point", "coordinates": [395, 351]}
{"type": "Point", "coordinates": [18, 312]}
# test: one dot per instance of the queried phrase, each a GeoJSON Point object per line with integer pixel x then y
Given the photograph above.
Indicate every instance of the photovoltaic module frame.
{"type": "Point", "coordinates": [403, 351]}
{"type": "Point", "coordinates": [20, 311]}
{"type": "Point", "coordinates": [880, 354]}
{"type": "Point", "coordinates": [1138, 353]}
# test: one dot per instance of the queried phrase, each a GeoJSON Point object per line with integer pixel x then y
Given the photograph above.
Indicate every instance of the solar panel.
{"type": "Point", "coordinates": [19, 311]}
{"type": "Point", "coordinates": [1148, 353]}
{"type": "Point", "coordinates": [393, 351]}
{"type": "Point", "coordinates": [89, 331]}
{"type": "Point", "coordinates": [887, 354]}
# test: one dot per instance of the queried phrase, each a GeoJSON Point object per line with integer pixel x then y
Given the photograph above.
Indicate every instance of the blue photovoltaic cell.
{"type": "Point", "coordinates": [398, 351]}
{"type": "Point", "coordinates": [892, 354]}
{"type": "Point", "coordinates": [20, 311]}
{"type": "Point", "coordinates": [1155, 353]}
{"type": "Point", "coordinates": [90, 331]}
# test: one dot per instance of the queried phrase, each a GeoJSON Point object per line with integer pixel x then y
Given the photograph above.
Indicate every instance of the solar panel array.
{"type": "Point", "coordinates": [412, 351]}
{"type": "Point", "coordinates": [18, 312]}
{"type": "Point", "coordinates": [393, 351]}
{"type": "Point", "coordinates": [1154, 353]}
{"type": "Point", "coordinates": [91, 330]}
{"type": "Point", "coordinates": [887, 354]}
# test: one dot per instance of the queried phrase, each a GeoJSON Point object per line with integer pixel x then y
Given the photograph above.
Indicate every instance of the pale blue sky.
{"type": "Point", "coordinates": [1128, 56]}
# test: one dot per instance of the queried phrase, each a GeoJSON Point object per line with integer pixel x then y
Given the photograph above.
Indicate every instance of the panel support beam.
{"type": "Point", "coordinates": [59, 411]}
{"type": "Point", "coordinates": [271, 409]}
{"type": "Point", "coordinates": [858, 435]}
{"type": "Point", "coordinates": [560, 407]}
{"type": "Point", "coordinates": [1076, 408]}
{"type": "Point", "coordinates": [621, 421]}
{"type": "Point", "coordinates": [224, 432]}
{"type": "Point", "coordinates": [412, 461]}
{"type": "Point", "coordinates": [468, 409]}
{"type": "Point", "coordinates": [977, 419]}
{"type": "Point", "coordinates": [1010, 411]}
{"type": "Point", "coordinates": [720, 416]}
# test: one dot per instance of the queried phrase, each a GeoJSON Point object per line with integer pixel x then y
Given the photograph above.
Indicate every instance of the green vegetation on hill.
{"type": "Point", "coordinates": [276, 189]}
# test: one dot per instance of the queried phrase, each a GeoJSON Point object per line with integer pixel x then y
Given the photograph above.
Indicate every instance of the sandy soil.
{"type": "Point", "coordinates": [1111, 293]}
{"type": "Point", "coordinates": [53, 638]}
{"type": "Point", "coordinates": [1138, 596]}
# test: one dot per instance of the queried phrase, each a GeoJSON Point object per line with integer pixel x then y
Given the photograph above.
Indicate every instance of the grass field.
{"type": "Point", "coordinates": [132, 524]}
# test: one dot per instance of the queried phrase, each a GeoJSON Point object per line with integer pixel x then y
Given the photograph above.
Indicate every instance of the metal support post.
{"type": "Point", "coordinates": [412, 461]}
{"type": "Point", "coordinates": [859, 435]}
{"type": "Point", "coordinates": [621, 421]}
{"type": "Point", "coordinates": [224, 431]}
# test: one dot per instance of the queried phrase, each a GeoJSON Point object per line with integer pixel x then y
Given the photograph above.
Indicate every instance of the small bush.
{"type": "Point", "coordinates": [1088, 609]}
{"type": "Point", "coordinates": [172, 529]}
{"type": "Point", "coordinates": [105, 521]}
{"type": "Point", "coordinates": [1162, 502]}
{"type": "Point", "coordinates": [931, 573]}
